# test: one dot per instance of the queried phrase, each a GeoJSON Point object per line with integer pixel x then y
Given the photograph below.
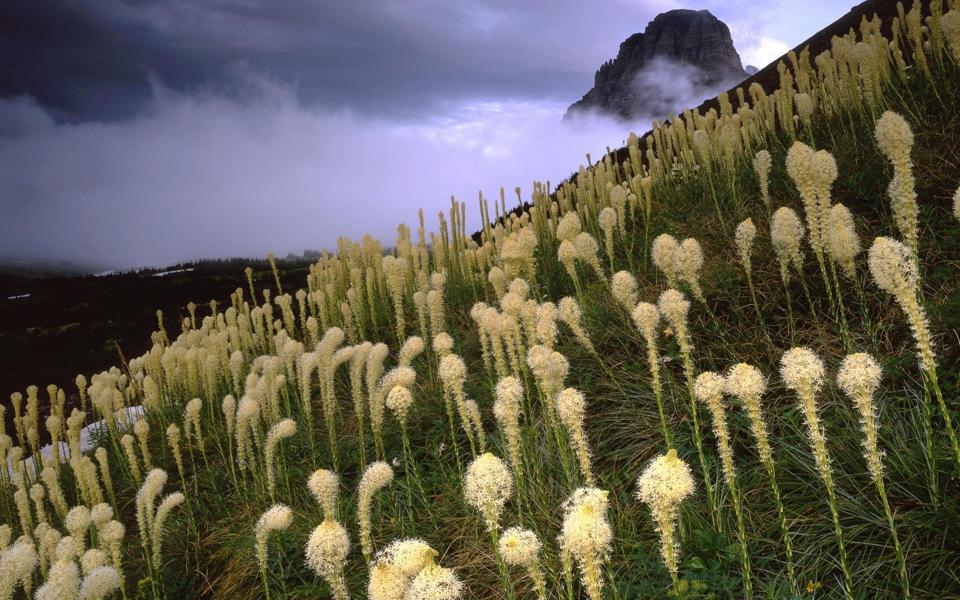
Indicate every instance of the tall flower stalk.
{"type": "Point", "coordinates": [747, 384]}
{"type": "Point", "coordinates": [894, 270]}
{"type": "Point", "coordinates": [487, 487]}
{"type": "Point", "coordinates": [376, 476]}
{"type": "Point", "coordinates": [521, 548]}
{"type": "Point", "coordinates": [674, 306]}
{"type": "Point", "coordinates": [587, 536]}
{"type": "Point", "coordinates": [399, 400]}
{"type": "Point", "coordinates": [802, 371]}
{"type": "Point", "coordinates": [895, 139]}
{"type": "Point", "coordinates": [745, 234]}
{"type": "Point", "coordinates": [859, 378]}
{"type": "Point", "coordinates": [506, 409]}
{"type": "Point", "coordinates": [663, 486]}
{"type": "Point", "coordinates": [709, 388]}
{"type": "Point", "coordinates": [571, 406]}
{"type": "Point", "coordinates": [278, 517]}
{"type": "Point", "coordinates": [646, 317]}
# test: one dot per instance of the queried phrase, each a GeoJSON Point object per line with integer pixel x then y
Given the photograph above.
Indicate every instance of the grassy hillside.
{"type": "Point", "coordinates": [274, 398]}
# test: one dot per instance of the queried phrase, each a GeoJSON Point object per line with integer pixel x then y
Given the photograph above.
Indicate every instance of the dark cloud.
{"type": "Point", "coordinates": [84, 60]}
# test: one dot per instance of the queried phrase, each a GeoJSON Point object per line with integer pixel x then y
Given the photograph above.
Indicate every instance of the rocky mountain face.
{"type": "Point", "coordinates": [682, 56]}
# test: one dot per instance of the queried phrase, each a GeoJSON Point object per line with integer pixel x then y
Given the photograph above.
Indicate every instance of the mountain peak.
{"type": "Point", "coordinates": [689, 47]}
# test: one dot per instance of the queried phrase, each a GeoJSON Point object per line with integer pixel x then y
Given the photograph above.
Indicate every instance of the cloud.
{"type": "Point", "coordinates": [664, 85]}
{"type": "Point", "coordinates": [22, 115]}
{"type": "Point", "coordinates": [763, 51]}
{"type": "Point", "coordinates": [253, 170]}
{"type": "Point", "coordinates": [92, 60]}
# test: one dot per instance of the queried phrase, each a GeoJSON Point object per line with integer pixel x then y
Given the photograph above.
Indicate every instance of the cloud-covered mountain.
{"type": "Point", "coordinates": [682, 55]}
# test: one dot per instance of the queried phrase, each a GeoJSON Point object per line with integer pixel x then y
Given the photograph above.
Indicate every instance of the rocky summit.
{"type": "Point", "coordinates": [682, 55]}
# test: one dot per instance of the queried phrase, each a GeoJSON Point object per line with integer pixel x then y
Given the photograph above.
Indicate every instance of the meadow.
{"type": "Point", "coordinates": [721, 363]}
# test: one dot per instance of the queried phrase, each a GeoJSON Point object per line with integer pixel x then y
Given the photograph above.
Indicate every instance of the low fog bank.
{"type": "Point", "coordinates": [252, 170]}
{"type": "Point", "coordinates": [664, 86]}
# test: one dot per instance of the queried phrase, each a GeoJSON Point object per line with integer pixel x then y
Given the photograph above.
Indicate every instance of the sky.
{"type": "Point", "coordinates": [147, 132]}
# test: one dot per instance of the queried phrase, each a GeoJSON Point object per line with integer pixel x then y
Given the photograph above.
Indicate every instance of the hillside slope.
{"type": "Point", "coordinates": [661, 310]}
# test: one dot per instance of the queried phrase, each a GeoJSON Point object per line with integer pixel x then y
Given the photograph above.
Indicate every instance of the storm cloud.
{"type": "Point", "coordinates": [136, 132]}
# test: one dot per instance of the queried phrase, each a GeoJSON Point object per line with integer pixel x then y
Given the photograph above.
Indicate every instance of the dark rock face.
{"type": "Point", "coordinates": [682, 56]}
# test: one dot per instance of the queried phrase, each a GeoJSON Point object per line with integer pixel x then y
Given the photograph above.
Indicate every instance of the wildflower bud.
{"type": "Point", "coordinates": [674, 306]}
{"type": "Point", "coordinates": [91, 559]}
{"type": "Point", "coordinates": [276, 518]}
{"type": "Point", "coordinates": [397, 565]}
{"type": "Point", "coordinates": [663, 486]}
{"type": "Point", "coordinates": [77, 522]}
{"type": "Point", "coordinates": [567, 255]}
{"type": "Point", "coordinates": [17, 564]}
{"type": "Point", "coordinates": [893, 267]}
{"type": "Point", "coordinates": [520, 288]}
{"type": "Point", "coordinates": [569, 226]}
{"type": "Point", "coordinates": [802, 370]}
{"type": "Point", "coordinates": [142, 430]}
{"type": "Point", "coordinates": [745, 234]}
{"type": "Point", "coordinates": [571, 407]}
{"type": "Point", "coordinates": [506, 409]}
{"type": "Point", "coordinates": [399, 400]}
{"type": "Point", "coordinates": [146, 497]}
{"type": "Point", "coordinates": [587, 536]}
{"type": "Point", "coordinates": [664, 252]}
{"type": "Point", "coordinates": [37, 494]}
{"type": "Point", "coordinates": [229, 409]}
{"type": "Point", "coordinates": [280, 431]}
{"type": "Point", "coordinates": [547, 324]}
{"type": "Point", "coordinates": [746, 383]}
{"type": "Point", "coordinates": [843, 245]}
{"type": "Point", "coordinates": [22, 501]}
{"type": "Point", "coordinates": [956, 195]}
{"type": "Point", "coordinates": [805, 168]}
{"type": "Point", "coordinates": [324, 485]}
{"type": "Point", "coordinates": [709, 388]}
{"type": "Point", "coordinates": [410, 350]}
{"type": "Point", "coordinates": [170, 502]}
{"type": "Point", "coordinates": [101, 514]}
{"type": "Point", "coordinates": [442, 344]}
{"type": "Point", "coordinates": [377, 476]}
{"type": "Point", "coordinates": [761, 165]}
{"type": "Point", "coordinates": [646, 317]}
{"type": "Point", "coordinates": [472, 410]}
{"type": "Point", "coordinates": [99, 583]}
{"type": "Point", "coordinates": [859, 378]}
{"type": "Point", "coordinates": [571, 315]}
{"type": "Point", "coordinates": [608, 221]}
{"type": "Point", "coordinates": [192, 417]}
{"type": "Point", "coordinates": [326, 554]}
{"type": "Point", "coordinates": [127, 443]}
{"type": "Point", "coordinates": [101, 456]}
{"type": "Point", "coordinates": [487, 487]}
{"type": "Point", "coordinates": [68, 548]}
{"type": "Point", "coordinates": [689, 261]}
{"type": "Point", "coordinates": [894, 136]}
{"type": "Point", "coordinates": [63, 581]}
{"type": "Point", "coordinates": [550, 369]}
{"type": "Point", "coordinates": [623, 287]}
{"type": "Point", "coordinates": [435, 583]}
{"type": "Point", "coordinates": [894, 270]}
